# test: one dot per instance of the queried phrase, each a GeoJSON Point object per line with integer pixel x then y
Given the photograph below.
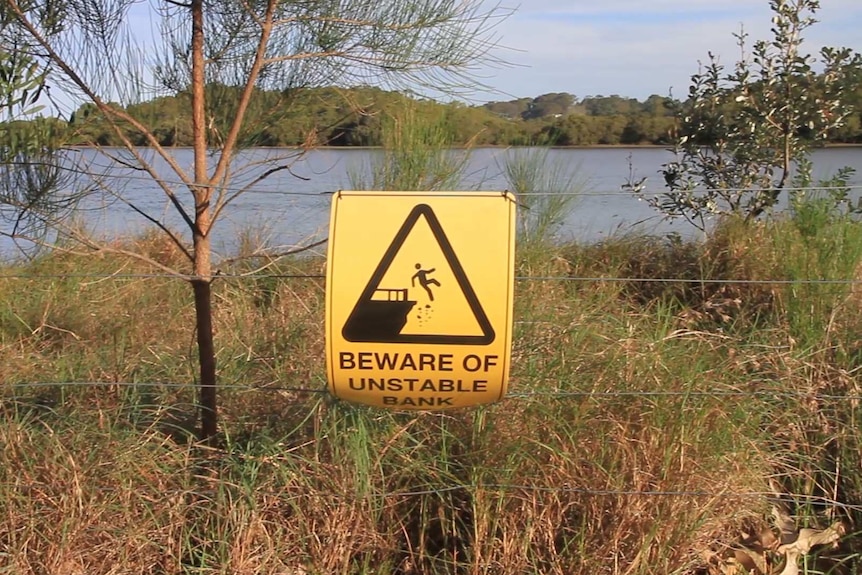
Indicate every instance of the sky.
{"type": "Point", "coordinates": [635, 48]}
{"type": "Point", "coordinates": [630, 48]}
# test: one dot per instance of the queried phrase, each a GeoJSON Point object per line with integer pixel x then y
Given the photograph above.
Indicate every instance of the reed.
{"type": "Point", "coordinates": [649, 425]}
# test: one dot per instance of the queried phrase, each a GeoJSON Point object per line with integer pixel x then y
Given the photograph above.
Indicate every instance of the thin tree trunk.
{"type": "Point", "coordinates": [206, 356]}
{"type": "Point", "coordinates": [202, 282]}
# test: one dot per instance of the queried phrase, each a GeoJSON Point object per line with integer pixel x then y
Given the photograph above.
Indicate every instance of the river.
{"type": "Point", "coordinates": [291, 206]}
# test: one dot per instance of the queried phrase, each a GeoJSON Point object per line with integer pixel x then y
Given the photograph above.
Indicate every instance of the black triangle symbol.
{"type": "Point", "coordinates": [381, 321]}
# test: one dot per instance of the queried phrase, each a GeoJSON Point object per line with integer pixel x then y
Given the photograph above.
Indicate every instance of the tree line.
{"type": "Point", "coordinates": [234, 74]}
{"type": "Point", "coordinates": [331, 116]}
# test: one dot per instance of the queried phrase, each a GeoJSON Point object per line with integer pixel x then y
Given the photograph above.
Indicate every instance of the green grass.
{"type": "Point", "coordinates": [648, 427]}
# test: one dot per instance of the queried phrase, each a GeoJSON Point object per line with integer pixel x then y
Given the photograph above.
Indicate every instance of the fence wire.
{"type": "Point", "coordinates": [575, 279]}
{"type": "Point", "coordinates": [512, 395]}
{"type": "Point", "coordinates": [514, 489]}
{"type": "Point", "coordinates": [321, 389]}
{"type": "Point", "coordinates": [545, 393]}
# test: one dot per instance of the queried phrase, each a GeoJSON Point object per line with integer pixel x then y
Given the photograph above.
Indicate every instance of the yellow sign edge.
{"type": "Point", "coordinates": [509, 325]}
{"type": "Point", "coordinates": [510, 309]}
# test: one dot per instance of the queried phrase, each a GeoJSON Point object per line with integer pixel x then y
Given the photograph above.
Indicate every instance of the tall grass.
{"type": "Point", "coordinates": [656, 413]}
{"type": "Point", "coordinates": [547, 191]}
{"type": "Point", "coordinates": [418, 153]}
{"type": "Point", "coordinates": [649, 424]}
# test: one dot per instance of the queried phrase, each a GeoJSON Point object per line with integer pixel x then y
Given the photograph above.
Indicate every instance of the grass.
{"type": "Point", "coordinates": [650, 425]}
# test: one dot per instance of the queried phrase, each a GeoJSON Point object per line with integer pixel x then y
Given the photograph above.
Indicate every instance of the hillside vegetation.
{"type": "Point", "coordinates": [357, 116]}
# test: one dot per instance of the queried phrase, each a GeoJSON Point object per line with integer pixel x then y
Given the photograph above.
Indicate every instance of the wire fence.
{"type": "Point", "coordinates": [584, 279]}
{"type": "Point", "coordinates": [545, 393]}
{"type": "Point", "coordinates": [559, 394]}
{"type": "Point", "coordinates": [472, 488]}
{"type": "Point", "coordinates": [515, 395]}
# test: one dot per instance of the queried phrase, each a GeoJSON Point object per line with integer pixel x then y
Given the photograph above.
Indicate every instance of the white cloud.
{"type": "Point", "coordinates": [594, 47]}
{"type": "Point", "coordinates": [633, 48]}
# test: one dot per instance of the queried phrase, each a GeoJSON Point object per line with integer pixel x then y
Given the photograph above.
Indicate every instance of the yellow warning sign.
{"type": "Point", "coordinates": [419, 298]}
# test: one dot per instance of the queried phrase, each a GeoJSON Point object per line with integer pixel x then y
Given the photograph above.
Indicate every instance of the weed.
{"type": "Point", "coordinates": [646, 428]}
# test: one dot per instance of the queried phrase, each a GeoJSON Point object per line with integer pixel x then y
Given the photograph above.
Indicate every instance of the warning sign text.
{"type": "Point", "coordinates": [371, 360]}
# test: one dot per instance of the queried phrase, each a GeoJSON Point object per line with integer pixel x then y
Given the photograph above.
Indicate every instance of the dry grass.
{"type": "Point", "coordinates": [645, 433]}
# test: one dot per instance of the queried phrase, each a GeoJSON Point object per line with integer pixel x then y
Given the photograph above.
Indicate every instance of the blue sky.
{"type": "Point", "coordinates": [632, 48]}
{"type": "Point", "coordinates": [635, 48]}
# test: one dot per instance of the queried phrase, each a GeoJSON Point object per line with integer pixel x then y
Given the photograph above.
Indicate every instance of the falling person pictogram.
{"type": "Point", "coordinates": [382, 311]}
{"type": "Point", "coordinates": [422, 276]}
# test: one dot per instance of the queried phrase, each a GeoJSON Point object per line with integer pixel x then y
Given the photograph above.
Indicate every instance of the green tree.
{"type": "Point", "coordinates": [223, 54]}
{"type": "Point", "coordinates": [658, 106]}
{"type": "Point", "coordinates": [30, 173]}
{"type": "Point", "coordinates": [610, 105]}
{"type": "Point", "coordinates": [647, 129]}
{"type": "Point", "coordinates": [417, 153]}
{"type": "Point", "coordinates": [512, 109]}
{"type": "Point", "coordinates": [741, 133]}
{"type": "Point", "coordinates": [554, 105]}
{"type": "Point", "coordinates": [574, 130]}
{"type": "Point", "coordinates": [547, 189]}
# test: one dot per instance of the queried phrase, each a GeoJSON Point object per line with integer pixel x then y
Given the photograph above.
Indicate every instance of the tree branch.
{"type": "Point", "coordinates": [245, 98]}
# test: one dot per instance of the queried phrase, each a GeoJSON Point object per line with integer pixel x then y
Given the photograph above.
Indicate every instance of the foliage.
{"type": "Point", "coordinates": [337, 116]}
{"type": "Point", "coordinates": [355, 116]}
{"type": "Point", "coordinates": [742, 133]}
{"type": "Point", "coordinates": [234, 68]}
{"type": "Point", "coordinates": [29, 145]}
{"type": "Point", "coordinates": [512, 109]}
{"type": "Point", "coordinates": [611, 105]}
{"type": "Point", "coordinates": [554, 105]}
{"type": "Point", "coordinates": [418, 154]}
{"type": "Point", "coordinates": [649, 429]}
{"type": "Point", "coordinates": [547, 189]}
{"type": "Point", "coordinates": [825, 219]}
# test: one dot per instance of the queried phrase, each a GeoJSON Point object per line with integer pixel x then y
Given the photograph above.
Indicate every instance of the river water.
{"type": "Point", "coordinates": [291, 206]}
